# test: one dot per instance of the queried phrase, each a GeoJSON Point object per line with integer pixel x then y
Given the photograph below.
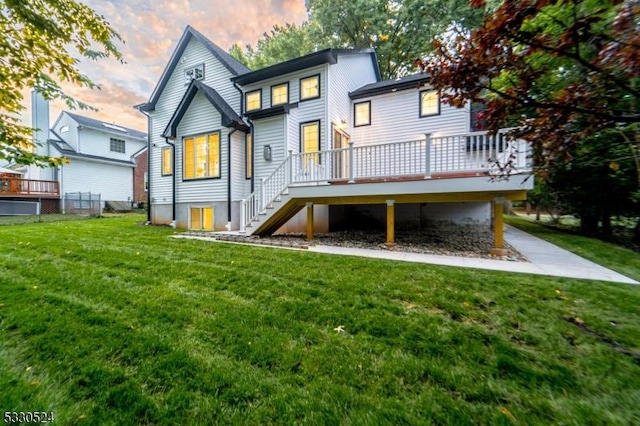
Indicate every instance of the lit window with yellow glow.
{"type": "Point", "coordinates": [202, 156]}
{"type": "Point", "coordinates": [429, 103]}
{"type": "Point", "coordinates": [253, 100]}
{"type": "Point", "coordinates": [280, 94]}
{"type": "Point", "coordinates": [167, 162]}
{"type": "Point", "coordinates": [310, 87]}
{"type": "Point", "coordinates": [310, 140]}
{"type": "Point", "coordinates": [201, 218]}
{"type": "Point", "coordinates": [362, 114]}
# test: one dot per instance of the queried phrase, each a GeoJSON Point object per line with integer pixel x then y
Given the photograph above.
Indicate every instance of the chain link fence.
{"type": "Point", "coordinates": [83, 203]}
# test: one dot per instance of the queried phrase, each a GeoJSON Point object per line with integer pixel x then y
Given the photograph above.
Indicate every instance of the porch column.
{"type": "Point", "coordinates": [391, 221]}
{"type": "Point", "coordinates": [498, 227]}
{"type": "Point", "coordinates": [309, 221]}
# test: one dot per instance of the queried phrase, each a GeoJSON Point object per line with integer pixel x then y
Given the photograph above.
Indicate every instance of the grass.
{"type": "Point", "coordinates": [104, 321]}
{"type": "Point", "coordinates": [18, 220]}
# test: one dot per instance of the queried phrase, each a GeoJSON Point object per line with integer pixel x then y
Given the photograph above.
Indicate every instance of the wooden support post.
{"type": "Point", "coordinates": [498, 227]}
{"type": "Point", "coordinates": [309, 221]}
{"type": "Point", "coordinates": [391, 223]}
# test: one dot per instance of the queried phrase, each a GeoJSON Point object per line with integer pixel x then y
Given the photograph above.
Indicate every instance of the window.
{"type": "Point", "coordinates": [64, 129]}
{"type": "Point", "coordinates": [310, 140]}
{"type": "Point", "coordinates": [248, 142]}
{"type": "Point", "coordinates": [194, 73]}
{"type": "Point", "coordinates": [429, 103]}
{"type": "Point", "coordinates": [253, 100]}
{"type": "Point", "coordinates": [362, 114]}
{"type": "Point", "coordinates": [167, 161]}
{"type": "Point", "coordinates": [146, 181]}
{"type": "Point", "coordinates": [201, 218]}
{"type": "Point", "coordinates": [202, 156]}
{"type": "Point", "coordinates": [116, 145]}
{"type": "Point", "coordinates": [280, 94]}
{"type": "Point", "coordinates": [310, 87]}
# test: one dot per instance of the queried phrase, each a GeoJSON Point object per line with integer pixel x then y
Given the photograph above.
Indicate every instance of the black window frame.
{"type": "Point", "coordinates": [187, 79]}
{"type": "Point", "coordinates": [271, 94]}
{"type": "Point", "coordinates": [170, 150]}
{"type": "Point", "coordinates": [355, 105]}
{"type": "Point", "coordinates": [246, 104]}
{"type": "Point", "coordinates": [319, 88]}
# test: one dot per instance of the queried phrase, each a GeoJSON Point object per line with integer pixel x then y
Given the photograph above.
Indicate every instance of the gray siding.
{"type": "Point", "coordinates": [216, 76]}
{"type": "Point", "coordinates": [240, 185]}
{"type": "Point", "coordinates": [395, 118]}
{"type": "Point", "coordinates": [268, 131]}
{"type": "Point", "coordinates": [201, 117]}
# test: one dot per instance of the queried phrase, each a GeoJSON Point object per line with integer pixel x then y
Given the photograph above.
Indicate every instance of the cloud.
{"type": "Point", "coordinates": [151, 31]}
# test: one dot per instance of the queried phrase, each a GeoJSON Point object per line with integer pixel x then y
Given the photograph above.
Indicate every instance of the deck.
{"type": "Point", "coordinates": [466, 167]}
{"type": "Point", "coordinates": [28, 188]}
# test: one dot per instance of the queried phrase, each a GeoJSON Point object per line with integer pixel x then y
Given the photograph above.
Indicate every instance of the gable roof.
{"type": "Point", "coordinates": [229, 117]}
{"type": "Point", "coordinates": [65, 149]}
{"type": "Point", "coordinates": [307, 61]}
{"type": "Point", "coordinates": [229, 62]}
{"type": "Point", "coordinates": [387, 86]}
{"type": "Point", "coordinates": [106, 127]}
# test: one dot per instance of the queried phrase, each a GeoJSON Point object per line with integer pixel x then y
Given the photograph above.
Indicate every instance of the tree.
{"type": "Point", "coordinates": [561, 70]}
{"type": "Point", "coordinates": [400, 31]}
{"type": "Point", "coordinates": [34, 54]}
{"type": "Point", "coordinates": [280, 44]}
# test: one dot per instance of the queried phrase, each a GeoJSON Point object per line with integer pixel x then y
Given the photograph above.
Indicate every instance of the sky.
{"type": "Point", "coordinates": [151, 30]}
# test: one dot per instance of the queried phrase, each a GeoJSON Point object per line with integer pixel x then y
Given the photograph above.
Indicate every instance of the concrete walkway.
{"type": "Point", "coordinates": [544, 259]}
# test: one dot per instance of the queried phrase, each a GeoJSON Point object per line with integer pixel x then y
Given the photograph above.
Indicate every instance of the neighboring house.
{"type": "Point", "coordinates": [234, 149]}
{"type": "Point", "coordinates": [100, 154]}
{"type": "Point", "coordinates": [141, 177]}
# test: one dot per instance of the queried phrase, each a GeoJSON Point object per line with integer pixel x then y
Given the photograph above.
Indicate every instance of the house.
{"type": "Point", "coordinates": [141, 177]}
{"type": "Point", "coordinates": [313, 144]}
{"type": "Point", "coordinates": [101, 155]}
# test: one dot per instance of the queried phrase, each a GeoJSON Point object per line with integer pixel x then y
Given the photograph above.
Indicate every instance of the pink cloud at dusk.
{"type": "Point", "coordinates": [151, 30]}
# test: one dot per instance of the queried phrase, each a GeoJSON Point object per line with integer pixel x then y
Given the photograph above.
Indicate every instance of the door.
{"type": "Point", "coordinates": [341, 157]}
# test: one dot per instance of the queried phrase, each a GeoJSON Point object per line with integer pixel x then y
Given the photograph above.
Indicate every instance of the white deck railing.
{"type": "Point", "coordinates": [469, 152]}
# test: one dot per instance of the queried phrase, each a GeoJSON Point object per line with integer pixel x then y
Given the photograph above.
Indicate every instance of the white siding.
{"type": "Point", "coordinates": [113, 183]}
{"type": "Point", "coordinates": [395, 118]}
{"type": "Point", "coordinates": [201, 118]}
{"type": "Point", "coordinates": [94, 142]}
{"type": "Point", "coordinates": [216, 76]}
{"type": "Point", "coordinates": [350, 73]}
{"type": "Point", "coordinates": [70, 137]}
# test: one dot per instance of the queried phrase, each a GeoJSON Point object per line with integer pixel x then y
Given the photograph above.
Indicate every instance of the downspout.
{"type": "Point", "coordinates": [173, 179]}
{"type": "Point", "coordinates": [229, 178]}
{"type": "Point", "coordinates": [253, 140]}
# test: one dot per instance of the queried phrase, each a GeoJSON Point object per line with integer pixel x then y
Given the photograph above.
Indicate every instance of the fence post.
{"type": "Point", "coordinates": [290, 167]}
{"type": "Point", "coordinates": [427, 156]}
{"type": "Point", "coordinates": [351, 179]}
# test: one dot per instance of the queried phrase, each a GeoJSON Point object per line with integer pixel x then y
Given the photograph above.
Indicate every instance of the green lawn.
{"type": "Point", "coordinates": [104, 321]}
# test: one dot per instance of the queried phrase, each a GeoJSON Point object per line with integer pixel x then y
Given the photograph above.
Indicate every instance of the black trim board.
{"type": "Point", "coordinates": [228, 116]}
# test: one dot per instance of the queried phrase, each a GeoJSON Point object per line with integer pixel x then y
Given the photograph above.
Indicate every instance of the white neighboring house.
{"type": "Point", "coordinates": [235, 149]}
{"type": "Point", "coordinates": [100, 154]}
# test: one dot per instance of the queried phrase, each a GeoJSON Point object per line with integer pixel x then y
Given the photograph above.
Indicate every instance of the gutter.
{"type": "Point", "coordinates": [173, 181]}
